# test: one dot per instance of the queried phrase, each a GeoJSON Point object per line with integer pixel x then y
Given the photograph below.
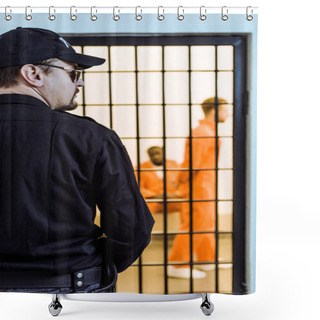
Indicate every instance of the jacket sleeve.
{"type": "Point", "coordinates": [125, 217]}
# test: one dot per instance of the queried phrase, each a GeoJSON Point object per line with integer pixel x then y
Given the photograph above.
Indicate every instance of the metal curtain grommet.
{"type": "Point", "coordinates": [180, 13]}
{"type": "Point", "coordinates": [51, 15]}
{"type": "Point", "coordinates": [160, 15]}
{"type": "Point", "coordinates": [7, 16]}
{"type": "Point", "coordinates": [203, 13]}
{"type": "Point", "coordinates": [28, 10]}
{"type": "Point", "coordinates": [138, 16]}
{"type": "Point", "coordinates": [93, 17]}
{"type": "Point", "coordinates": [73, 16]}
{"type": "Point", "coordinates": [224, 13]}
{"type": "Point", "coordinates": [249, 13]}
{"type": "Point", "coordinates": [116, 12]}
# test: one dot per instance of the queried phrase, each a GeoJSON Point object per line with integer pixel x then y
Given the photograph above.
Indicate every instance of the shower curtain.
{"type": "Point", "coordinates": [179, 89]}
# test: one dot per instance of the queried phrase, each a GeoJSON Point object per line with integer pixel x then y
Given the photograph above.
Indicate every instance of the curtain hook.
{"type": "Point", "coordinates": [7, 16]}
{"type": "Point", "coordinates": [160, 16]}
{"type": "Point", "coordinates": [73, 17]}
{"type": "Point", "coordinates": [203, 13]}
{"type": "Point", "coordinates": [52, 16]}
{"type": "Point", "coordinates": [138, 16]}
{"type": "Point", "coordinates": [180, 13]}
{"type": "Point", "coordinates": [116, 16]}
{"type": "Point", "coordinates": [27, 13]}
{"type": "Point", "coordinates": [93, 16]}
{"type": "Point", "coordinates": [249, 15]}
{"type": "Point", "coordinates": [224, 13]}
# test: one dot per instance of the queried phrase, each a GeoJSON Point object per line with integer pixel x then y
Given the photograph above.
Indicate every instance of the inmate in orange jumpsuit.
{"type": "Point", "coordinates": [151, 184]}
{"type": "Point", "coordinates": [204, 188]}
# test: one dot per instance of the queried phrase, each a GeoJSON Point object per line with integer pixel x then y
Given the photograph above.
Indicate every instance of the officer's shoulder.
{"type": "Point", "coordinates": [82, 122]}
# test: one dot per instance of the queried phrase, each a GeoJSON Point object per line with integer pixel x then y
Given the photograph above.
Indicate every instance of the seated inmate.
{"type": "Point", "coordinates": [152, 185]}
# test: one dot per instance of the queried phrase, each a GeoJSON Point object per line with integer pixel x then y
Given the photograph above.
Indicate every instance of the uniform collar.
{"type": "Point", "coordinates": [15, 98]}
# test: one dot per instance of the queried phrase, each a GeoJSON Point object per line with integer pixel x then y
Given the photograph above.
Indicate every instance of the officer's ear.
{"type": "Point", "coordinates": [33, 75]}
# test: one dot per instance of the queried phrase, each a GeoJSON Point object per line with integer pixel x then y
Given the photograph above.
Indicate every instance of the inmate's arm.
{"type": "Point", "coordinates": [125, 217]}
{"type": "Point", "coordinates": [198, 150]}
{"type": "Point", "coordinates": [144, 184]}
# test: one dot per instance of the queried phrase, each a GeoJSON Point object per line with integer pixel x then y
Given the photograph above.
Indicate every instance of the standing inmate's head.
{"type": "Point", "coordinates": [210, 105]}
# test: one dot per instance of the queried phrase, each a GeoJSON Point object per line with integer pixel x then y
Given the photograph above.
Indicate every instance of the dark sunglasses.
{"type": "Point", "coordinates": [75, 74]}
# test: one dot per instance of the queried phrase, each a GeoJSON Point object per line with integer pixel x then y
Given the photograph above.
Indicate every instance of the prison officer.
{"type": "Point", "coordinates": [54, 169]}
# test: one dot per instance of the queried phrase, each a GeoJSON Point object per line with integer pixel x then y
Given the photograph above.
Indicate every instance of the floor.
{"type": "Point", "coordinates": [153, 277]}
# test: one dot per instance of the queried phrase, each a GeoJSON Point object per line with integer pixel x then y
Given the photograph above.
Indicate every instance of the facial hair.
{"type": "Point", "coordinates": [71, 106]}
{"type": "Point", "coordinates": [157, 162]}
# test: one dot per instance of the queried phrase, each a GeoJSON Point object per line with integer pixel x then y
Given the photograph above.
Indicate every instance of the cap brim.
{"type": "Point", "coordinates": [84, 61]}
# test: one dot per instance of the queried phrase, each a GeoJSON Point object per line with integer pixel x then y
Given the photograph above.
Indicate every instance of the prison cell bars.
{"type": "Point", "coordinates": [216, 168]}
{"type": "Point", "coordinates": [110, 87]}
{"type": "Point", "coordinates": [165, 206]}
{"type": "Point", "coordinates": [83, 91]}
{"type": "Point", "coordinates": [138, 148]}
{"type": "Point", "coordinates": [190, 172]}
{"type": "Point", "coordinates": [165, 234]}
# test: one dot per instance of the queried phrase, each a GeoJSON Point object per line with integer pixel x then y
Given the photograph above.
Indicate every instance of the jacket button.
{"type": "Point", "coordinates": [79, 283]}
{"type": "Point", "coordinates": [79, 275]}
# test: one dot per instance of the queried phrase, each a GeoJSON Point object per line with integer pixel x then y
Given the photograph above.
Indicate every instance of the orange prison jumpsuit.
{"type": "Point", "coordinates": [204, 188]}
{"type": "Point", "coordinates": [151, 184]}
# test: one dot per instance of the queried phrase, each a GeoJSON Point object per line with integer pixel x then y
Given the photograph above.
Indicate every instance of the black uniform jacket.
{"type": "Point", "coordinates": [54, 169]}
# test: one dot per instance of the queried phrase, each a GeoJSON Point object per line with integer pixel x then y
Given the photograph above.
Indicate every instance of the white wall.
{"type": "Point", "coordinates": [148, 92]}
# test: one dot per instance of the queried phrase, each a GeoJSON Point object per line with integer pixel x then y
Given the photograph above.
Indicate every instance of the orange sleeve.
{"type": "Point", "coordinates": [199, 154]}
{"type": "Point", "coordinates": [145, 184]}
{"type": "Point", "coordinates": [198, 149]}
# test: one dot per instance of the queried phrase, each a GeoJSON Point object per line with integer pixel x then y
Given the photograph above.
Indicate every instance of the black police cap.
{"type": "Point", "coordinates": [31, 45]}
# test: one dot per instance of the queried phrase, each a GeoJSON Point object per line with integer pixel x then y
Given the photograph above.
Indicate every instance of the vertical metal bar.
{"type": "Point", "coordinates": [165, 211]}
{"type": "Point", "coordinates": [138, 147]}
{"type": "Point", "coordinates": [190, 171]}
{"type": "Point", "coordinates": [110, 93]}
{"type": "Point", "coordinates": [110, 88]}
{"type": "Point", "coordinates": [83, 91]}
{"type": "Point", "coordinates": [239, 192]}
{"type": "Point", "coordinates": [235, 119]}
{"type": "Point", "coordinates": [216, 169]}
